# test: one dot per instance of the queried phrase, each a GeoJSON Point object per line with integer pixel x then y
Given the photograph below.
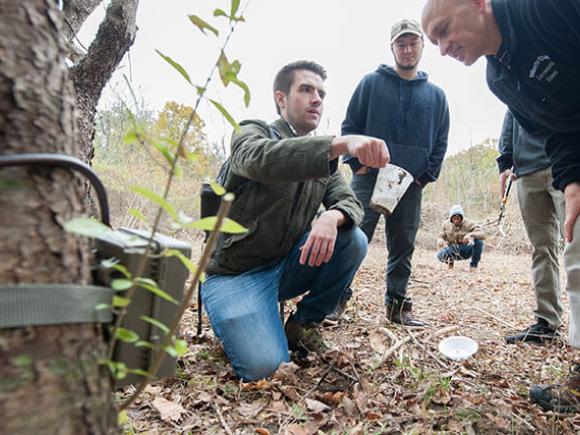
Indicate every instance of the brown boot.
{"type": "Point", "coordinates": [559, 397]}
{"type": "Point", "coordinates": [400, 312]}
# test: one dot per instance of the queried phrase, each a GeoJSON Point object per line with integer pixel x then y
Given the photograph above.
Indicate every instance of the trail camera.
{"type": "Point", "coordinates": [128, 246]}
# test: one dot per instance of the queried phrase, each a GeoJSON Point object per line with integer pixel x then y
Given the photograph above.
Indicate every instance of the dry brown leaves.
{"type": "Point", "coordinates": [382, 378]}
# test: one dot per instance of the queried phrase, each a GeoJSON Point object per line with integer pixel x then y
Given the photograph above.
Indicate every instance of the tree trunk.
{"type": "Point", "coordinates": [50, 380]}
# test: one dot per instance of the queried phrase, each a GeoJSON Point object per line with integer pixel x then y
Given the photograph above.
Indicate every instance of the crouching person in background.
{"type": "Point", "coordinates": [282, 176]}
{"type": "Point", "coordinates": [460, 239]}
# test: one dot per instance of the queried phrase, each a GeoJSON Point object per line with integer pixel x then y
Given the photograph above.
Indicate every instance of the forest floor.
{"type": "Point", "coordinates": [381, 378]}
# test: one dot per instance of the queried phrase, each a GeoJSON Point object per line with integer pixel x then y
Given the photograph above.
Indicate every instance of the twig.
{"type": "Point", "coordinates": [345, 374]}
{"type": "Point", "coordinates": [222, 420]}
{"type": "Point", "coordinates": [497, 319]}
{"type": "Point", "coordinates": [325, 374]}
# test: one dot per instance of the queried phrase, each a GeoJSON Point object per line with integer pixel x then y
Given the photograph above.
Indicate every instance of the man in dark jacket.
{"type": "Point", "coordinates": [283, 176]}
{"type": "Point", "coordinates": [400, 106]}
{"type": "Point", "coordinates": [542, 208]}
{"type": "Point", "coordinates": [532, 51]}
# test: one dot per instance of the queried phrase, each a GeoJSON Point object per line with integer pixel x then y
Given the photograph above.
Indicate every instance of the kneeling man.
{"type": "Point", "coordinates": [282, 175]}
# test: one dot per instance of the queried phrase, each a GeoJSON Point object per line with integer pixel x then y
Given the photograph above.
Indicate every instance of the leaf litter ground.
{"type": "Point", "coordinates": [381, 378]}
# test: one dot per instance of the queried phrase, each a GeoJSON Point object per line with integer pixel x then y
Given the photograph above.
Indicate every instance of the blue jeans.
{"type": "Point", "coordinates": [401, 230]}
{"type": "Point", "coordinates": [243, 309]}
{"type": "Point", "coordinates": [462, 252]}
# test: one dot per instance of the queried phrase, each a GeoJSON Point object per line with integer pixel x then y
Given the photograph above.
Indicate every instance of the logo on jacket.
{"type": "Point", "coordinates": [543, 69]}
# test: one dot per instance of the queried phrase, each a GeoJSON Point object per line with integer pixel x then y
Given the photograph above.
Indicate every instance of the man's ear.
{"type": "Point", "coordinates": [280, 98]}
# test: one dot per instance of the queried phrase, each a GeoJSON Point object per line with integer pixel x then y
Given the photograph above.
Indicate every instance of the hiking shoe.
{"type": "Point", "coordinates": [305, 338]}
{"type": "Point", "coordinates": [399, 312]}
{"type": "Point", "coordinates": [539, 332]}
{"type": "Point", "coordinates": [563, 398]}
{"type": "Point", "coordinates": [334, 317]}
{"type": "Point", "coordinates": [473, 268]}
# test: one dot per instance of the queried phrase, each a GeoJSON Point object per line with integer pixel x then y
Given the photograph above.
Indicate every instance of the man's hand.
{"type": "Point", "coordinates": [503, 178]}
{"type": "Point", "coordinates": [319, 246]}
{"type": "Point", "coordinates": [441, 243]}
{"type": "Point", "coordinates": [369, 151]}
{"type": "Point", "coordinates": [572, 198]}
{"type": "Point", "coordinates": [468, 240]}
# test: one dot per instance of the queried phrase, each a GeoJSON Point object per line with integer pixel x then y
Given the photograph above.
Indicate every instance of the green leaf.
{"type": "Point", "coordinates": [153, 197]}
{"type": "Point", "coordinates": [170, 350]}
{"type": "Point", "coordinates": [22, 360]}
{"type": "Point", "coordinates": [140, 372]}
{"type": "Point", "coordinates": [100, 307]}
{"type": "Point", "coordinates": [127, 335]}
{"type": "Point", "coordinates": [122, 418]}
{"type": "Point", "coordinates": [121, 284]}
{"type": "Point", "coordinates": [180, 347]}
{"type": "Point", "coordinates": [156, 323]}
{"type": "Point", "coordinates": [200, 90]}
{"type": "Point", "coordinates": [146, 281]}
{"type": "Point", "coordinates": [143, 343]}
{"type": "Point", "coordinates": [136, 214]}
{"type": "Point", "coordinates": [217, 188]}
{"type": "Point", "coordinates": [229, 226]}
{"type": "Point", "coordinates": [123, 270]}
{"type": "Point", "coordinates": [186, 261]}
{"type": "Point", "coordinates": [157, 291]}
{"type": "Point", "coordinates": [119, 301]}
{"type": "Point", "coordinates": [131, 137]}
{"type": "Point", "coordinates": [203, 25]}
{"type": "Point", "coordinates": [225, 114]}
{"type": "Point", "coordinates": [234, 8]}
{"type": "Point", "coordinates": [120, 370]}
{"type": "Point", "coordinates": [244, 88]}
{"type": "Point", "coordinates": [165, 151]}
{"type": "Point", "coordinates": [88, 227]}
{"type": "Point", "coordinates": [220, 13]}
{"type": "Point", "coordinates": [175, 65]}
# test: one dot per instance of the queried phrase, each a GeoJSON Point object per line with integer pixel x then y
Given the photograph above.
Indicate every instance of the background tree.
{"type": "Point", "coordinates": [50, 379]}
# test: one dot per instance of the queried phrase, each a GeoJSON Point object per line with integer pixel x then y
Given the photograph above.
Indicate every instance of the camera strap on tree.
{"type": "Point", "coordinates": [51, 304]}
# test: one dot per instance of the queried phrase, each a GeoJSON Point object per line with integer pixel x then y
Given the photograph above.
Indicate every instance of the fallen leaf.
{"type": "Point", "coordinates": [250, 410]}
{"type": "Point", "coordinates": [262, 431]}
{"type": "Point", "coordinates": [316, 406]}
{"type": "Point", "coordinates": [168, 410]}
{"type": "Point", "coordinates": [255, 386]}
{"type": "Point", "coordinates": [378, 342]}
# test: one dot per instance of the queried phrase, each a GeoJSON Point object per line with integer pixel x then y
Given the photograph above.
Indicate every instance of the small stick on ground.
{"type": "Point", "coordinates": [222, 420]}
{"type": "Point", "coordinates": [497, 319]}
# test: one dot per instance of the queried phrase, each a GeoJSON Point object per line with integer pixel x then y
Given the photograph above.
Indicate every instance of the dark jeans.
{"type": "Point", "coordinates": [462, 252]}
{"type": "Point", "coordinates": [401, 230]}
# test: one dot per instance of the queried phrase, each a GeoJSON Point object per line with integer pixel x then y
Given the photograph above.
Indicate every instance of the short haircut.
{"type": "Point", "coordinates": [285, 77]}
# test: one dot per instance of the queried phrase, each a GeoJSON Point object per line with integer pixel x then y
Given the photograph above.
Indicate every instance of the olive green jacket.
{"type": "Point", "coordinates": [283, 183]}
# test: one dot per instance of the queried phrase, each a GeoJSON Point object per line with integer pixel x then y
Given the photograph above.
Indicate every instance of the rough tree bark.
{"type": "Point", "coordinates": [50, 380]}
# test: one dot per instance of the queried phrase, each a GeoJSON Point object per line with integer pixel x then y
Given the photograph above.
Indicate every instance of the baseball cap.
{"type": "Point", "coordinates": [405, 26]}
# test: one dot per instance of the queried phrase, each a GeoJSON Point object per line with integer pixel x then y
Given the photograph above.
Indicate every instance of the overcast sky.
{"type": "Point", "coordinates": [349, 38]}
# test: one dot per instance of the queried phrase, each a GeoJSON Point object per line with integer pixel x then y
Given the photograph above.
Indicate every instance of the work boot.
{"type": "Point", "coordinates": [305, 338]}
{"type": "Point", "coordinates": [400, 312]}
{"type": "Point", "coordinates": [559, 397]}
{"type": "Point", "coordinates": [334, 317]}
{"type": "Point", "coordinates": [538, 333]}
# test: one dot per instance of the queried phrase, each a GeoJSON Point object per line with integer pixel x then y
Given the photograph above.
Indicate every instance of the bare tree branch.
{"type": "Point", "coordinates": [114, 37]}
{"type": "Point", "coordinates": [75, 14]}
